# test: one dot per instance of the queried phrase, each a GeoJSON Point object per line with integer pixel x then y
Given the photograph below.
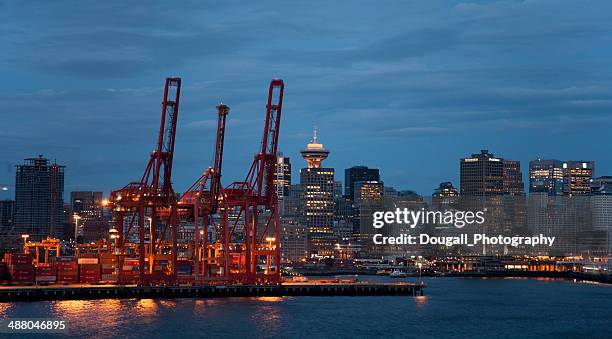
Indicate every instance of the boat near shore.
{"type": "Point", "coordinates": [398, 274]}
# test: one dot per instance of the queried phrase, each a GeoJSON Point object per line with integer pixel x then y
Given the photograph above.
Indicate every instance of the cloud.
{"type": "Point", "coordinates": [83, 81]}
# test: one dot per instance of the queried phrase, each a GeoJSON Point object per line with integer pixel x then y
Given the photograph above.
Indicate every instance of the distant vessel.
{"type": "Point", "coordinates": [382, 272]}
{"type": "Point", "coordinates": [398, 274]}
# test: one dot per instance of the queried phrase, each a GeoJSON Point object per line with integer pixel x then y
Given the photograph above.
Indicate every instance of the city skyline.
{"type": "Point", "coordinates": [409, 97]}
{"type": "Point", "coordinates": [8, 191]}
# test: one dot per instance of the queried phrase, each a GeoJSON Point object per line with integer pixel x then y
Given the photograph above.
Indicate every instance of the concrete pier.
{"type": "Point", "coordinates": [31, 293]}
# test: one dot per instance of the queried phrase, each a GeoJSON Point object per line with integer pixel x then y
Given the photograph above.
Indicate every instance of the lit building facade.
{"type": "Point", "coordinates": [577, 176]}
{"type": "Point", "coordinates": [39, 191]}
{"type": "Point", "coordinates": [482, 175]}
{"type": "Point", "coordinates": [445, 196]}
{"type": "Point", "coordinates": [282, 176]}
{"type": "Point", "coordinates": [369, 197]}
{"type": "Point", "coordinates": [88, 214]}
{"type": "Point", "coordinates": [317, 203]}
{"type": "Point", "coordinates": [513, 178]}
{"type": "Point", "coordinates": [358, 173]}
{"type": "Point", "coordinates": [546, 176]}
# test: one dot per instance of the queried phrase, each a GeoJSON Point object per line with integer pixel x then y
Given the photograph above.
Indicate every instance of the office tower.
{"type": "Point", "coordinates": [294, 235]}
{"type": "Point", "coordinates": [493, 185]}
{"type": "Point", "coordinates": [546, 176]}
{"type": "Point", "coordinates": [358, 173]}
{"type": "Point", "coordinates": [88, 215]}
{"type": "Point", "coordinates": [39, 190]}
{"type": "Point", "coordinates": [282, 176]}
{"type": "Point", "coordinates": [369, 197]}
{"type": "Point", "coordinates": [577, 177]}
{"type": "Point", "coordinates": [513, 178]}
{"type": "Point", "coordinates": [317, 185]}
{"type": "Point", "coordinates": [482, 175]}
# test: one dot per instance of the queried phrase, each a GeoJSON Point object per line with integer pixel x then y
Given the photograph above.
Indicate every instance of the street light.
{"type": "Point", "coordinates": [76, 218]}
{"type": "Point", "coordinates": [25, 242]}
{"type": "Point", "coordinates": [270, 240]}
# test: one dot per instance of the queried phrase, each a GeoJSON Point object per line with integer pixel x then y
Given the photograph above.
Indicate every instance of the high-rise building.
{"type": "Point", "coordinates": [369, 197]}
{"type": "Point", "coordinates": [546, 176]}
{"type": "Point", "coordinates": [88, 215]}
{"type": "Point", "coordinates": [39, 190]}
{"type": "Point", "coordinates": [513, 178]}
{"type": "Point", "coordinates": [317, 186]}
{"type": "Point", "coordinates": [577, 177]}
{"type": "Point", "coordinates": [294, 235]}
{"type": "Point", "coordinates": [358, 173]}
{"type": "Point", "coordinates": [482, 175]}
{"type": "Point", "coordinates": [282, 176]}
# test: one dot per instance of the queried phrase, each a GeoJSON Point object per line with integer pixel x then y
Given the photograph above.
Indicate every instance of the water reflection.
{"type": "Point", "coordinates": [421, 300]}
{"type": "Point", "coordinates": [4, 308]}
{"type": "Point", "coordinates": [146, 308]}
{"type": "Point", "coordinates": [269, 299]}
{"type": "Point", "coordinates": [267, 319]}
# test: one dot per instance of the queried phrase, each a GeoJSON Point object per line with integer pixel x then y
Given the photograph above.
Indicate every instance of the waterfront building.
{"type": "Point", "coordinates": [317, 203]}
{"type": "Point", "coordinates": [39, 190]}
{"type": "Point", "coordinates": [294, 240]}
{"type": "Point", "coordinates": [294, 233]}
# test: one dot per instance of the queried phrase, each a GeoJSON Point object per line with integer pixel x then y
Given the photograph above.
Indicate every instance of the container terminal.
{"type": "Point", "coordinates": [142, 258]}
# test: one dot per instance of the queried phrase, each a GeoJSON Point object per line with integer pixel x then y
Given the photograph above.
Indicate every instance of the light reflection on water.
{"type": "Point", "coordinates": [441, 312]}
{"type": "Point", "coordinates": [146, 308]}
{"type": "Point", "coordinates": [4, 307]}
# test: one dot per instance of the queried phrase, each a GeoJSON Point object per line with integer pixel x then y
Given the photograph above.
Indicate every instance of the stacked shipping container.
{"type": "Point", "coordinates": [20, 268]}
{"type": "Point", "coordinates": [66, 270]}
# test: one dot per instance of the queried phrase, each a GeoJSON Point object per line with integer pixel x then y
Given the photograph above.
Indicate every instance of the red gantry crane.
{"type": "Point", "coordinates": [152, 197]}
{"type": "Point", "coordinates": [250, 208]}
{"type": "Point", "coordinates": [201, 201]}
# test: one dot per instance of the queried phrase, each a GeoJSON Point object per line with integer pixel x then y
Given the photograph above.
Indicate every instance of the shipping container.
{"type": "Point", "coordinates": [17, 258]}
{"type": "Point", "coordinates": [88, 261]}
{"type": "Point", "coordinates": [46, 278]}
{"type": "Point", "coordinates": [64, 259]}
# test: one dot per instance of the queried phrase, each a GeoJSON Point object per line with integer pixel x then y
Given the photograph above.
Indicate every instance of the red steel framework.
{"type": "Point", "coordinates": [244, 215]}
{"type": "Point", "coordinates": [249, 218]}
{"type": "Point", "coordinates": [201, 202]}
{"type": "Point", "coordinates": [152, 197]}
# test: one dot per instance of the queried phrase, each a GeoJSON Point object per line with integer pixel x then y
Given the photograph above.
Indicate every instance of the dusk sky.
{"type": "Point", "coordinates": [409, 87]}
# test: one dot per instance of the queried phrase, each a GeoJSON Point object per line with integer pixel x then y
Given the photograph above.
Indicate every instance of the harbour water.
{"type": "Point", "coordinates": [452, 307]}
